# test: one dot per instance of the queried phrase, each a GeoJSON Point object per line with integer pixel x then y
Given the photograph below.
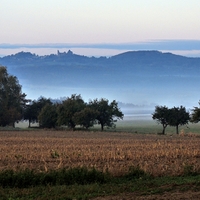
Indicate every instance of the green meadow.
{"type": "Point", "coordinates": [143, 123]}
{"type": "Point", "coordinates": [134, 125]}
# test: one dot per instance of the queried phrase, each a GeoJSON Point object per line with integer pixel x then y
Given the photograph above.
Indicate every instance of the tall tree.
{"type": "Point", "coordinates": [68, 109]}
{"type": "Point", "coordinates": [107, 113]}
{"type": "Point", "coordinates": [12, 100]}
{"type": "Point", "coordinates": [178, 116]}
{"type": "Point", "coordinates": [162, 116]}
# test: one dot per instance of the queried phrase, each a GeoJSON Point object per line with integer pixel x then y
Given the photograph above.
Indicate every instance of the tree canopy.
{"type": "Point", "coordinates": [175, 116]}
{"type": "Point", "coordinates": [195, 115]}
{"type": "Point", "coordinates": [34, 108]}
{"type": "Point", "coordinates": [48, 116]}
{"type": "Point", "coordinates": [179, 117]}
{"type": "Point", "coordinates": [86, 117]}
{"type": "Point", "coordinates": [107, 113]}
{"type": "Point", "coordinates": [68, 109]}
{"type": "Point", "coordinates": [162, 115]}
{"type": "Point", "coordinates": [12, 100]}
{"type": "Point", "coordinates": [74, 111]}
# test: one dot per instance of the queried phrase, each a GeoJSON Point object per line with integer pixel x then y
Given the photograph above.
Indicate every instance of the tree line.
{"type": "Point", "coordinates": [73, 110]}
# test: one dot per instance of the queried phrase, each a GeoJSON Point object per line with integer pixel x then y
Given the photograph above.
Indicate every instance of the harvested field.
{"type": "Point", "coordinates": [113, 152]}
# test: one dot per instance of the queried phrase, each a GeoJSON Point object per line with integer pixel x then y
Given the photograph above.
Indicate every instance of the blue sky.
{"type": "Point", "coordinates": [100, 27]}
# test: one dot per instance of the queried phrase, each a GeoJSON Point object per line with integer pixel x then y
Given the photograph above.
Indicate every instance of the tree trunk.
{"type": "Point", "coordinates": [101, 127]}
{"type": "Point", "coordinates": [177, 130]}
{"type": "Point", "coordinates": [163, 131]}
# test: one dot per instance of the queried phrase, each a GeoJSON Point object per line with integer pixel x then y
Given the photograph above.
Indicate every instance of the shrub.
{"type": "Point", "coordinates": [28, 178]}
{"type": "Point", "coordinates": [136, 173]}
{"type": "Point", "coordinates": [189, 170]}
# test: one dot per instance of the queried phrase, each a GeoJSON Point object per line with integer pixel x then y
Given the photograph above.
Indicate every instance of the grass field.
{"type": "Point", "coordinates": [136, 125]}
{"type": "Point", "coordinates": [151, 126]}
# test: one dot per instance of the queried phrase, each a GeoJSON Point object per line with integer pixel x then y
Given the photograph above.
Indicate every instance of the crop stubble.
{"type": "Point", "coordinates": [113, 152]}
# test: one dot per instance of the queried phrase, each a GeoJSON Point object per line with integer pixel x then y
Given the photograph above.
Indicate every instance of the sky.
{"type": "Point", "coordinates": [100, 27]}
{"type": "Point", "coordinates": [99, 22]}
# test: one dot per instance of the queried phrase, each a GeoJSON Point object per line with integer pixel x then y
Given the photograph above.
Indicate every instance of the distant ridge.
{"type": "Point", "coordinates": [136, 74]}
{"type": "Point", "coordinates": [130, 57]}
{"type": "Point", "coordinates": [141, 62]}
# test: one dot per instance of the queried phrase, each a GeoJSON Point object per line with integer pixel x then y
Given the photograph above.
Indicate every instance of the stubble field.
{"type": "Point", "coordinates": [106, 151]}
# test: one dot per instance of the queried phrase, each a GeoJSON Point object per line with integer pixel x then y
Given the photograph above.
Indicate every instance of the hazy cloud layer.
{"type": "Point", "coordinates": [147, 45]}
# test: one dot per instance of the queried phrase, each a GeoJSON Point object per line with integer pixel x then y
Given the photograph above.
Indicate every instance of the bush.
{"type": "Point", "coordinates": [189, 171]}
{"type": "Point", "coordinates": [21, 179]}
{"type": "Point", "coordinates": [136, 173]}
{"type": "Point", "coordinates": [28, 178]}
{"type": "Point", "coordinates": [81, 175]}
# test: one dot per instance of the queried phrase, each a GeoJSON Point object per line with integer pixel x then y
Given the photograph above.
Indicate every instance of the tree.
{"type": "Point", "coordinates": [34, 108]}
{"type": "Point", "coordinates": [86, 117]}
{"type": "Point", "coordinates": [178, 116]}
{"type": "Point", "coordinates": [195, 115]}
{"type": "Point", "coordinates": [12, 100]}
{"type": "Point", "coordinates": [68, 109]}
{"type": "Point", "coordinates": [107, 113]}
{"type": "Point", "coordinates": [162, 116]}
{"type": "Point", "coordinates": [48, 116]}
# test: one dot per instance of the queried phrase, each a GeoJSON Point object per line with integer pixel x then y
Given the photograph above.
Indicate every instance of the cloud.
{"type": "Point", "coordinates": [173, 45]}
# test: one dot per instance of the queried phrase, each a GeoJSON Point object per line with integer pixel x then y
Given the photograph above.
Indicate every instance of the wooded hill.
{"type": "Point", "coordinates": [147, 71]}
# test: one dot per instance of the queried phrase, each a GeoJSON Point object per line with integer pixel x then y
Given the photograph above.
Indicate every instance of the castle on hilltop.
{"type": "Point", "coordinates": [64, 53]}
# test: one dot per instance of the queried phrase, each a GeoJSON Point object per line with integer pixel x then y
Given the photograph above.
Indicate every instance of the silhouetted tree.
{"type": "Point", "coordinates": [107, 113]}
{"type": "Point", "coordinates": [48, 116]}
{"type": "Point", "coordinates": [162, 116]}
{"type": "Point", "coordinates": [34, 108]}
{"type": "Point", "coordinates": [68, 109]}
{"type": "Point", "coordinates": [178, 116]}
{"type": "Point", "coordinates": [86, 117]}
{"type": "Point", "coordinates": [12, 100]}
{"type": "Point", "coordinates": [195, 115]}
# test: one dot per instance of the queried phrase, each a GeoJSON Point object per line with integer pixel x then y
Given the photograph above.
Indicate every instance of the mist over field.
{"type": "Point", "coordinates": [138, 80]}
{"type": "Point", "coordinates": [147, 55]}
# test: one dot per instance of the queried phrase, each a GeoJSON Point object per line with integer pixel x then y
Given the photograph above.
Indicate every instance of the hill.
{"type": "Point", "coordinates": [136, 76]}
